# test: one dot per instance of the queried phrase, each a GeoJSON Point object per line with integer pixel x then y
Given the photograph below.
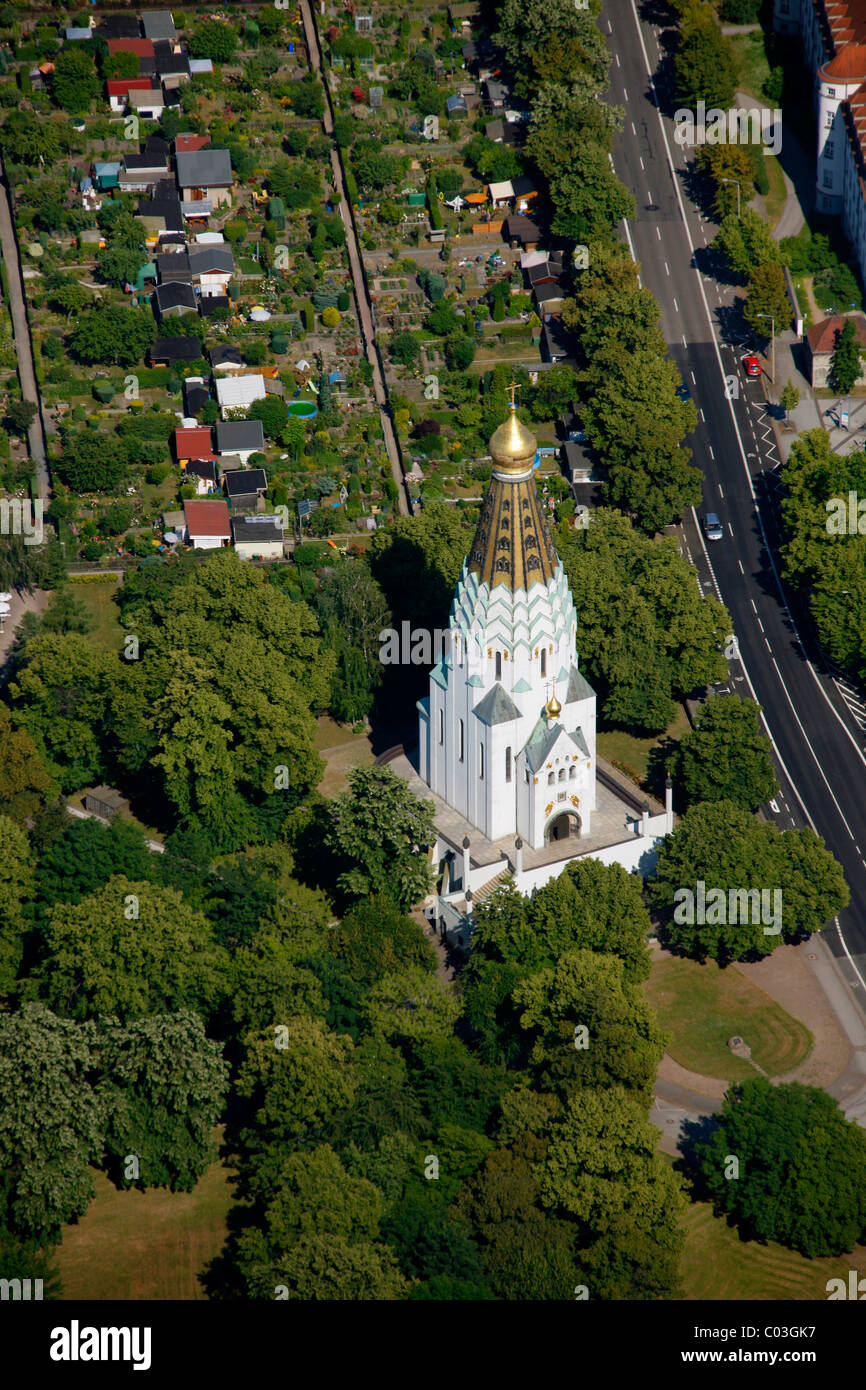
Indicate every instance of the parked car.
{"type": "Point", "coordinates": [751, 366]}
{"type": "Point", "coordinates": [713, 527]}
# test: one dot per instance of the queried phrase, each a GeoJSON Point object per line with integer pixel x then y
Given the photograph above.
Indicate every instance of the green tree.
{"type": "Point", "coordinates": [404, 349]}
{"type": "Point", "coordinates": [75, 82]}
{"type": "Point", "coordinates": [23, 779]}
{"type": "Point", "coordinates": [528, 25]}
{"type": "Point", "coordinates": [767, 308]}
{"type": "Point", "coordinates": [789, 397]}
{"type": "Point", "coordinates": [381, 832]}
{"type": "Point", "coordinates": [671, 640]}
{"type": "Point", "coordinates": [17, 881]}
{"type": "Point", "coordinates": [28, 142]}
{"type": "Point", "coordinates": [19, 417]}
{"type": "Point", "coordinates": [87, 853]}
{"type": "Point", "coordinates": [411, 1003]}
{"type": "Point", "coordinates": [705, 66]}
{"type": "Point", "coordinates": [50, 1122]}
{"type": "Point", "coordinates": [163, 1088]}
{"type": "Point", "coordinates": [746, 243]}
{"type": "Point", "coordinates": [726, 849]}
{"type": "Point", "coordinates": [602, 1169]}
{"type": "Point", "coordinates": [121, 64]}
{"type": "Point", "coordinates": [726, 756]}
{"type": "Point", "coordinates": [589, 1027]}
{"type": "Point", "coordinates": [845, 362]}
{"type": "Point", "coordinates": [272, 413]}
{"type": "Point", "coordinates": [799, 1161]}
{"type": "Point", "coordinates": [214, 39]}
{"type": "Point", "coordinates": [61, 693]}
{"type": "Point", "coordinates": [130, 948]}
{"type": "Point", "coordinates": [112, 334]}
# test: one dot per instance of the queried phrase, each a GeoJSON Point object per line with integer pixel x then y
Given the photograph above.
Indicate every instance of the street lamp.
{"type": "Point", "coordinates": [772, 345]}
{"type": "Point", "coordinates": [737, 182]}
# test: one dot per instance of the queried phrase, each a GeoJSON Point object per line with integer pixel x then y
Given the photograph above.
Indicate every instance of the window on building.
{"type": "Point", "coordinates": [828, 150]}
{"type": "Point", "coordinates": [460, 742]}
{"type": "Point", "coordinates": [543, 663]}
{"type": "Point", "coordinates": [499, 666]}
{"type": "Point", "coordinates": [508, 764]}
{"type": "Point", "coordinates": [481, 762]}
{"type": "Point", "coordinates": [830, 118]}
{"type": "Point", "coordinates": [572, 773]}
{"type": "Point", "coordinates": [441, 726]}
{"type": "Point", "coordinates": [551, 778]}
{"type": "Point", "coordinates": [828, 179]}
{"type": "Point", "coordinates": [562, 774]}
{"type": "Point", "coordinates": [831, 91]}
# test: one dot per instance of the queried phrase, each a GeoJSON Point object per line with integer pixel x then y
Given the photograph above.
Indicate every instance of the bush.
{"type": "Point", "coordinates": [330, 317]}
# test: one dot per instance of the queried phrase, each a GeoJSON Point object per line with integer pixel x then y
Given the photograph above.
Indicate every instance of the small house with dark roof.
{"type": "Point", "coordinates": [174, 299]}
{"type": "Point", "coordinates": [166, 352]}
{"type": "Point", "coordinates": [225, 359]}
{"type": "Point", "coordinates": [203, 474]}
{"type": "Point", "coordinates": [195, 394]}
{"type": "Point", "coordinates": [257, 537]}
{"type": "Point", "coordinates": [205, 175]}
{"type": "Point", "coordinates": [158, 24]}
{"type": "Point", "coordinates": [173, 265]}
{"type": "Point", "coordinates": [119, 26]}
{"type": "Point", "coordinates": [211, 304]}
{"type": "Point", "coordinates": [244, 488]}
{"type": "Point", "coordinates": [520, 231]}
{"type": "Point", "coordinates": [241, 437]}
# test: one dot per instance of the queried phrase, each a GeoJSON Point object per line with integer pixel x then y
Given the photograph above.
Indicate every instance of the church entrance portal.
{"type": "Point", "coordinates": [565, 826]}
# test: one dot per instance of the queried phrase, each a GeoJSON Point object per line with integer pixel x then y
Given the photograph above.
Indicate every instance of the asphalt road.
{"type": "Point", "coordinates": [819, 747]}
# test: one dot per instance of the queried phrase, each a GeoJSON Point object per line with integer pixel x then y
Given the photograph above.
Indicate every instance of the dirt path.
{"type": "Point", "coordinates": [21, 330]}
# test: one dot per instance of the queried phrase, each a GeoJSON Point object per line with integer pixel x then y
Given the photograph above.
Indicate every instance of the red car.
{"type": "Point", "coordinates": [751, 366]}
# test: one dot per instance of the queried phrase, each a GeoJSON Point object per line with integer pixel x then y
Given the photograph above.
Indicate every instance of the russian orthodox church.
{"type": "Point", "coordinates": [507, 735]}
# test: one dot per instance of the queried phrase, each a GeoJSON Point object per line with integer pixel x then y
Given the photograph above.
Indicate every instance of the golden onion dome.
{"type": "Point", "coordinates": [553, 708]}
{"type": "Point", "coordinates": [512, 445]}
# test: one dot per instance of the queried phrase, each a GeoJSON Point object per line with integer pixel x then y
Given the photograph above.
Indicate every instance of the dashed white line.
{"type": "Point", "coordinates": [740, 563]}
{"type": "Point", "coordinates": [703, 417]}
{"type": "Point", "coordinates": [667, 269]}
{"type": "Point", "coordinates": [719, 486]}
{"type": "Point", "coordinates": [640, 162]}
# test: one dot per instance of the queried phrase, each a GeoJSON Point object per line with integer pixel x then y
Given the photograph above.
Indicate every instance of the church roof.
{"type": "Point", "coordinates": [578, 688]}
{"type": "Point", "coordinates": [512, 545]}
{"type": "Point", "coordinates": [541, 741]}
{"type": "Point", "coordinates": [497, 707]}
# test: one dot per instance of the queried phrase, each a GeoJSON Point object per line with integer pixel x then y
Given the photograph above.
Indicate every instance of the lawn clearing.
{"type": "Point", "coordinates": [98, 599]}
{"type": "Point", "coordinates": [619, 746]}
{"type": "Point", "coordinates": [701, 1006]}
{"type": "Point", "coordinates": [145, 1245]}
{"type": "Point", "coordinates": [718, 1265]}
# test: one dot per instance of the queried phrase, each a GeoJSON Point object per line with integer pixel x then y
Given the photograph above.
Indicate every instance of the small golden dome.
{"type": "Point", "coordinates": [553, 708]}
{"type": "Point", "coordinates": [512, 445]}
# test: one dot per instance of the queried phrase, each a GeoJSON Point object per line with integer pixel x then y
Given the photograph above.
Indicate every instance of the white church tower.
{"type": "Point", "coordinates": [507, 734]}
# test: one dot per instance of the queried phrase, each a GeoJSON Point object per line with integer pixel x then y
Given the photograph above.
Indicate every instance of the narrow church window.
{"type": "Point", "coordinates": [441, 726]}
{"type": "Point", "coordinates": [499, 666]}
{"type": "Point", "coordinates": [481, 762]}
{"type": "Point", "coordinates": [508, 764]}
{"type": "Point", "coordinates": [562, 774]}
{"type": "Point", "coordinates": [550, 778]}
{"type": "Point", "coordinates": [543, 663]}
{"type": "Point", "coordinates": [460, 745]}
{"type": "Point", "coordinates": [572, 773]}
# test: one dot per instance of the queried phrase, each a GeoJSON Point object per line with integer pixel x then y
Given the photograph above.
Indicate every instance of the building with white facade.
{"type": "Point", "coordinates": [507, 735]}
{"type": "Point", "coordinates": [832, 34]}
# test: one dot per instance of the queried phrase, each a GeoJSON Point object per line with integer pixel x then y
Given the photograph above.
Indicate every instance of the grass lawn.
{"type": "Point", "coordinates": [777, 197]}
{"type": "Point", "coordinates": [619, 746]}
{"type": "Point", "coordinates": [145, 1245]}
{"type": "Point", "coordinates": [753, 65]}
{"type": "Point", "coordinates": [701, 1006]}
{"type": "Point", "coordinates": [98, 599]}
{"type": "Point", "coordinates": [717, 1264]}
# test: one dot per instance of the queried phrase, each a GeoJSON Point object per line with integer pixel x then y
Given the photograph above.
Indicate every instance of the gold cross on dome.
{"type": "Point", "coordinates": [513, 388]}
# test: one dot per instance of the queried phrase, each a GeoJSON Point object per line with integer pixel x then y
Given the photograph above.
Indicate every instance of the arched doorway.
{"type": "Point", "coordinates": [565, 826]}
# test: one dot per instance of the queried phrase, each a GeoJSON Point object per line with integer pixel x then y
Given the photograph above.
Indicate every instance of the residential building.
{"type": "Point", "coordinates": [205, 175]}
{"type": "Point", "coordinates": [210, 304]}
{"type": "Point", "coordinates": [257, 537]}
{"type": "Point", "coordinates": [207, 523]}
{"type": "Point", "coordinates": [193, 443]}
{"type": "Point", "coordinates": [174, 299]}
{"type": "Point", "coordinates": [167, 352]}
{"type": "Point", "coordinates": [520, 231]}
{"type": "Point", "coordinates": [119, 88]}
{"type": "Point", "coordinates": [225, 359]}
{"type": "Point", "coordinates": [238, 392]}
{"type": "Point", "coordinates": [173, 265]}
{"type": "Point", "coordinates": [142, 48]}
{"type": "Point", "coordinates": [241, 437]}
{"type": "Point", "coordinates": [821, 343]}
{"type": "Point", "coordinates": [139, 171]}
{"type": "Point", "coordinates": [212, 268]}
{"type": "Point", "coordinates": [244, 487]}
{"type": "Point", "coordinates": [203, 474]}
{"type": "Point", "coordinates": [158, 24]}
{"type": "Point", "coordinates": [148, 105]}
